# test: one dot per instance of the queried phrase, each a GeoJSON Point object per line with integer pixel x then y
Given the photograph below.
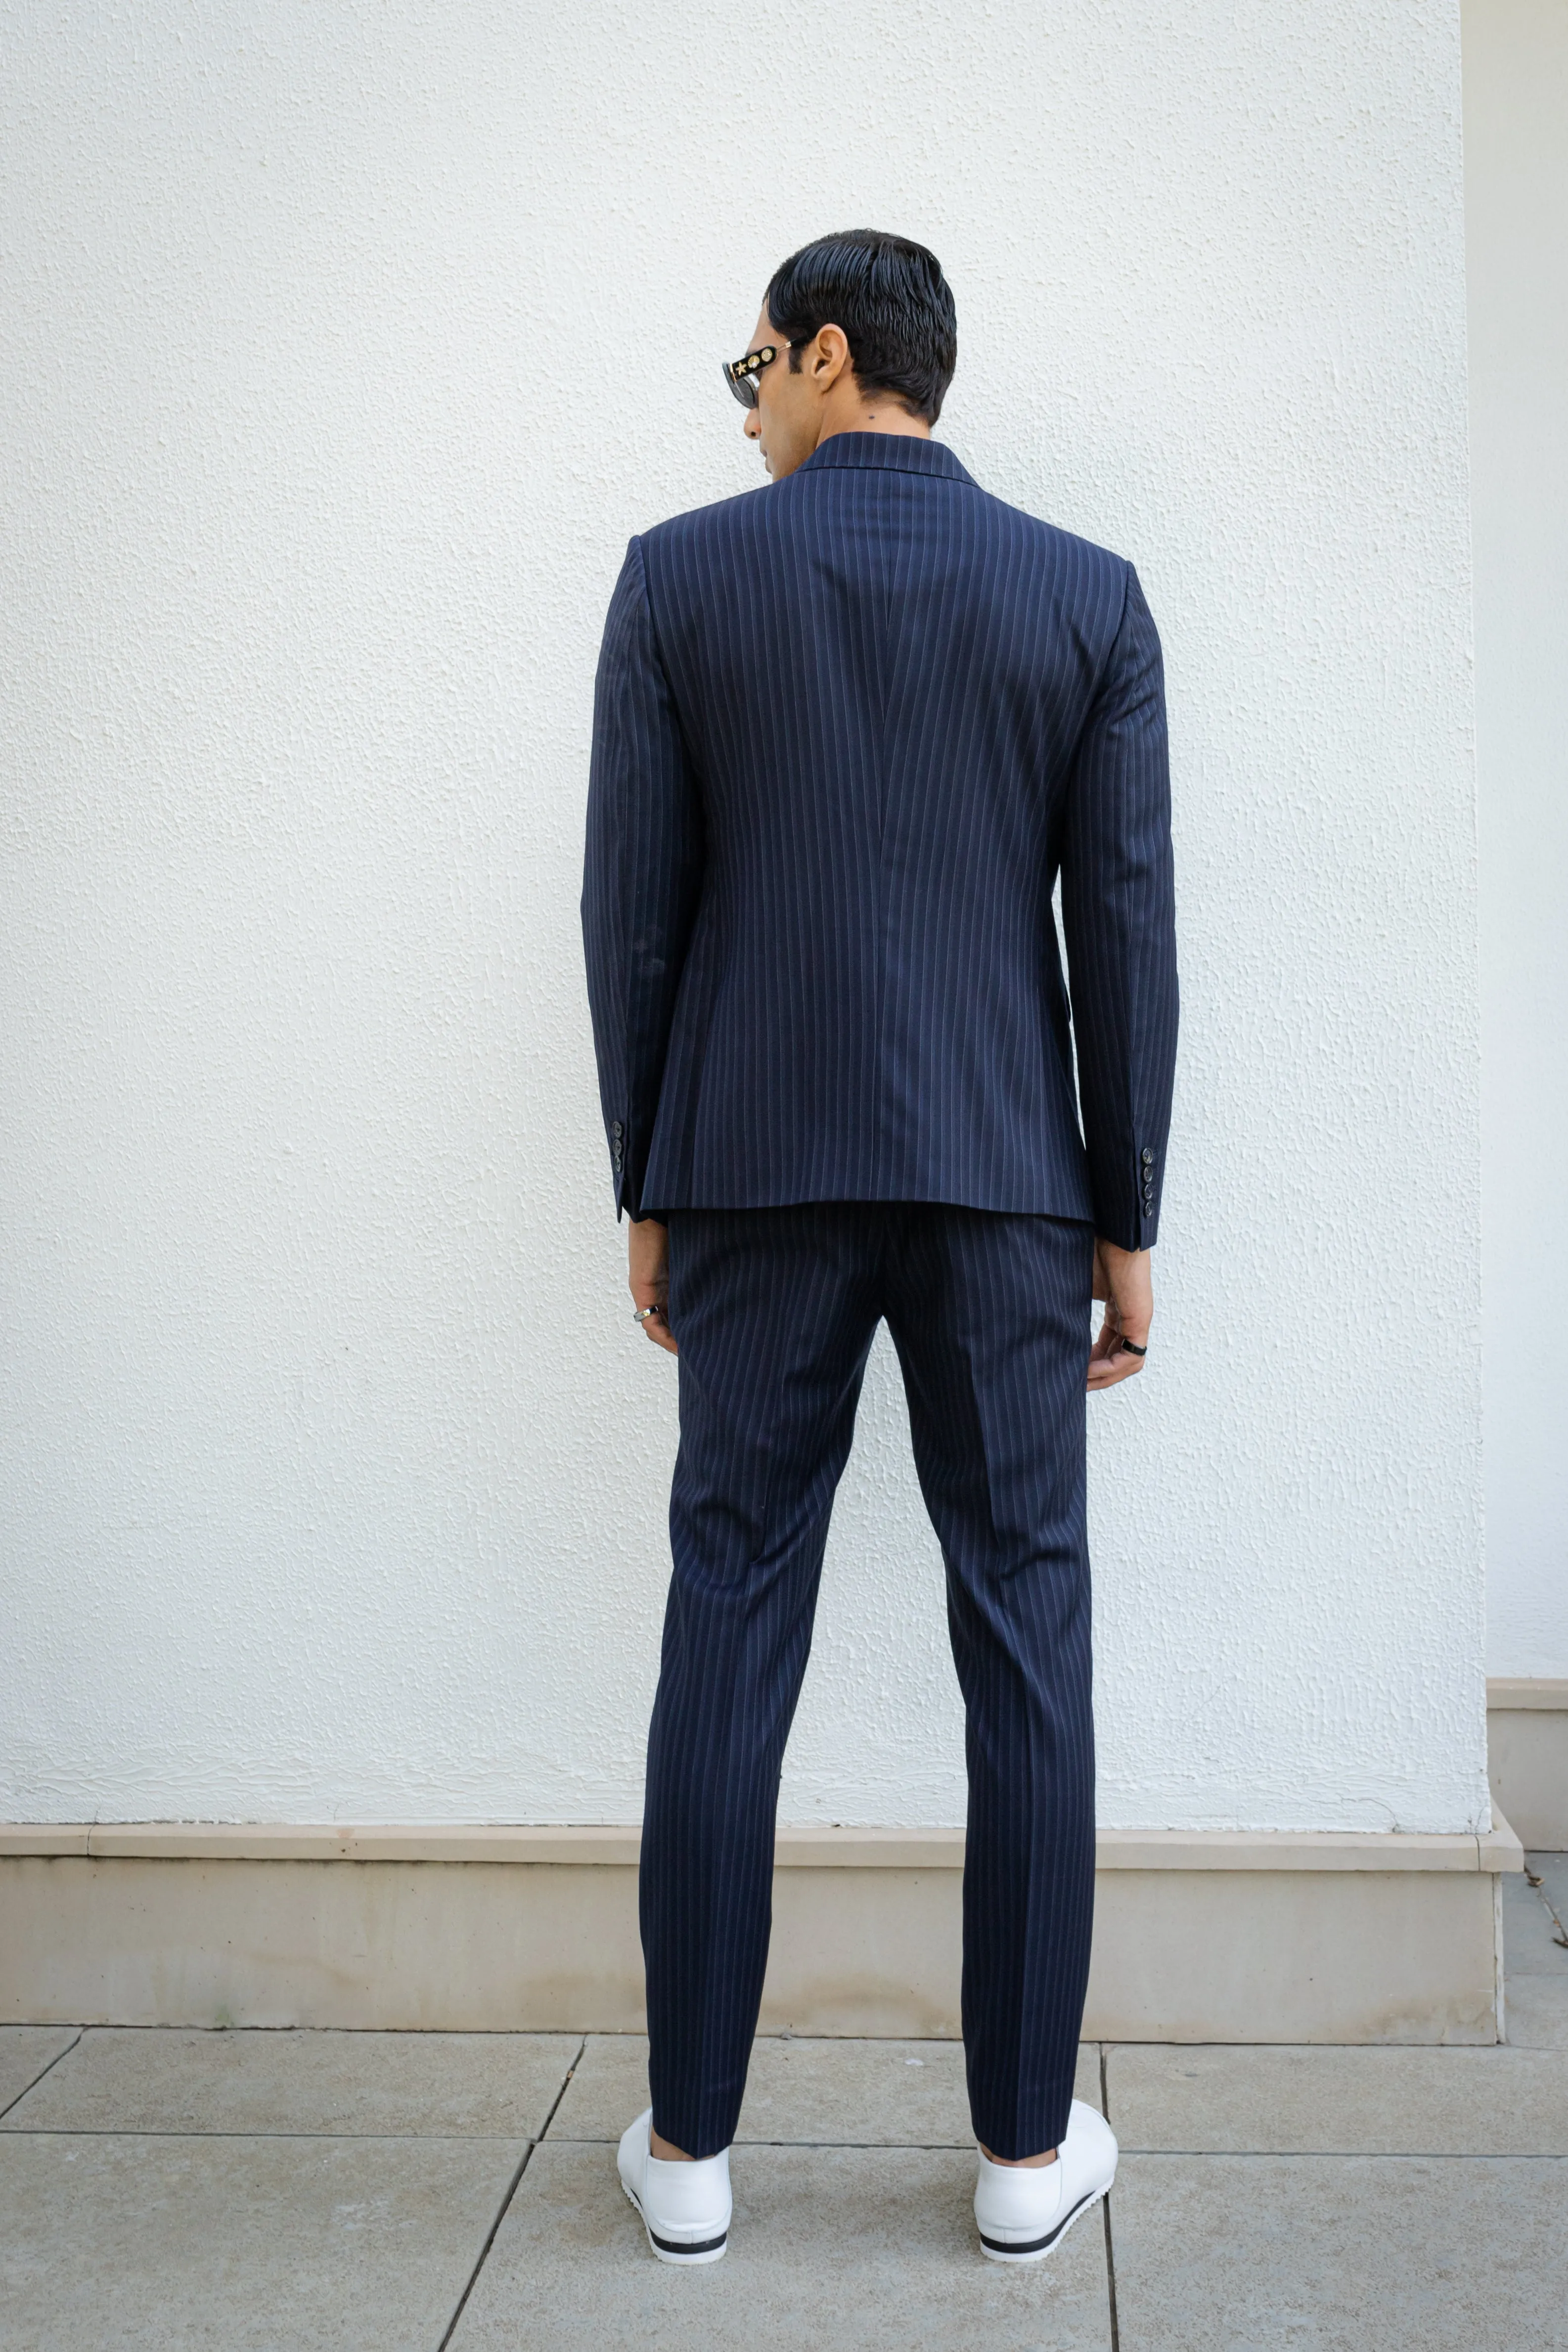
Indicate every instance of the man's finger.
{"type": "Point", "coordinates": [658, 1330]}
{"type": "Point", "coordinates": [655, 1325]}
{"type": "Point", "coordinates": [1112, 1359]}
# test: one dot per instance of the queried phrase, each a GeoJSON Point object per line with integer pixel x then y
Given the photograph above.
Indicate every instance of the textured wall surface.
{"type": "Point", "coordinates": [1516, 185]}
{"type": "Point", "coordinates": [346, 347]}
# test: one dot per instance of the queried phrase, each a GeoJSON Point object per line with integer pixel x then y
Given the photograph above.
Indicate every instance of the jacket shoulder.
{"type": "Point", "coordinates": [1061, 548]}
{"type": "Point", "coordinates": [701, 527]}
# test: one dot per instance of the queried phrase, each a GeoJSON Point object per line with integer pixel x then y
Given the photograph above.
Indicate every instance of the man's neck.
{"type": "Point", "coordinates": [855, 412]}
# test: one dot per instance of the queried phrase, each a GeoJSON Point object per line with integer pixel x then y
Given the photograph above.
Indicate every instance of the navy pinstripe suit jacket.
{"type": "Point", "coordinates": [847, 730]}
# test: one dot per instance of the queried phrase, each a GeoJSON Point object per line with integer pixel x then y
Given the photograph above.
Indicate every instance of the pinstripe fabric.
{"type": "Point", "coordinates": [847, 728]}
{"type": "Point", "coordinates": [774, 1310]}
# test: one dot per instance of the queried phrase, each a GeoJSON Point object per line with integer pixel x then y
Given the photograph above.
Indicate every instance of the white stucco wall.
{"type": "Point", "coordinates": [347, 344]}
{"type": "Point", "coordinates": [1516, 175]}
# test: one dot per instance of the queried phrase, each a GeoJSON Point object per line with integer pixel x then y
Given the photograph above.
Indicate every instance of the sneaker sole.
{"type": "Point", "coordinates": [670, 2249]}
{"type": "Point", "coordinates": [1035, 2249]}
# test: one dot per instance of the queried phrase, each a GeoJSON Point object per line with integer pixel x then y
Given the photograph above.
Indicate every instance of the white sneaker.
{"type": "Point", "coordinates": [685, 2208]}
{"type": "Point", "coordinates": [1025, 2210]}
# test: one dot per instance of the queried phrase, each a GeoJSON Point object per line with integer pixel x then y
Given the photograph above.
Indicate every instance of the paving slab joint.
{"type": "Point", "coordinates": [504, 2206]}
{"type": "Point", "coordinates": [38, 2077]}
{"type": "Point", "coordinates": [1105, 2214]}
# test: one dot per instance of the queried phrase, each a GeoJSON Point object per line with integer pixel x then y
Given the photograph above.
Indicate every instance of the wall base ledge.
{"type": "Point", "coordinates": [1527, 1754]}
{"type": "Point", "coordinates": [802, 1848]}
{"type": "Point", "coordinates": [1205, 1936]}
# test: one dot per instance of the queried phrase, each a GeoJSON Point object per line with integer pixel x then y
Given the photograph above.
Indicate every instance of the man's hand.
{"type": "Point", "coordinates": [648, 1277]}
{"type": "Point", "coordinates": [1124, 1280]}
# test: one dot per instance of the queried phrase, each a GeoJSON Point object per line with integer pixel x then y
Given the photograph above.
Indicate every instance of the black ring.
{"type": "Point", "coordinates": [1131, 1344]}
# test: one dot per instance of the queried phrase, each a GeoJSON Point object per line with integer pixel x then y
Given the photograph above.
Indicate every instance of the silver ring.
{"type": "Point", "coordinates": [640, 1314]}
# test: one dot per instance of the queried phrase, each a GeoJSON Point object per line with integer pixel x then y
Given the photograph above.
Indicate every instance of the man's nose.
{"type": "Point", "coordinates": [753, 424]}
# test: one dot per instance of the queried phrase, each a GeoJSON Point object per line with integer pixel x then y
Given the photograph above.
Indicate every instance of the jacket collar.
{"type": "Point", "coordinates": [905, 452]}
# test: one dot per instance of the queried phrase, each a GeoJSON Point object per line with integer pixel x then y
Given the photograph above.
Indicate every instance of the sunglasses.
{"type": "Point", "coordinates": [741, 374]}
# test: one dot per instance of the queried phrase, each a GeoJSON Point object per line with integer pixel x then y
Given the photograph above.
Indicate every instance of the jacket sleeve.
{"type": "Point", "coordinates": [1119, 920]}
{"type": "Point", "coordinates": [641, 875]}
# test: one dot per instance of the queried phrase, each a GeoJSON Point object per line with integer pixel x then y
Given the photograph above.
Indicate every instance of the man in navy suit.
{"type": "Point", "coordinates": [849, 732]}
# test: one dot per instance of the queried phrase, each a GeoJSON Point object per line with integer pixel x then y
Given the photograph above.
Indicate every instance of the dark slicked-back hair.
{"type": "Point", "coordinates": [891, 300]}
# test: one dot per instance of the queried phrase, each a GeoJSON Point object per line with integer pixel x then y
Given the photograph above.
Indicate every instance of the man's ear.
{"type": "Point", "coordinates": [830, 357]}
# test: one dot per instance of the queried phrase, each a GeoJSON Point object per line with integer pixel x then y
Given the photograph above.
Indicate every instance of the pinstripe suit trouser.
{"type": "Point", "coordinates": [774, 1311]}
